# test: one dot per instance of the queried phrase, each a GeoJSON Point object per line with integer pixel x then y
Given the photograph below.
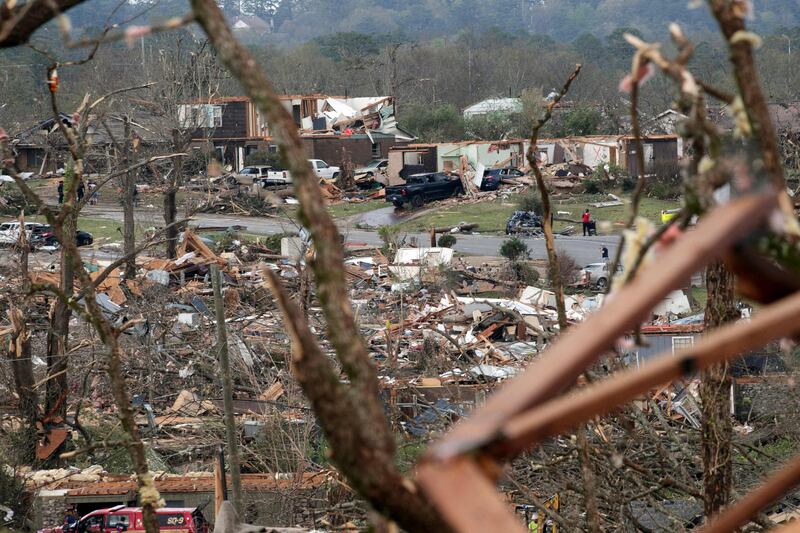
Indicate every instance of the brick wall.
{"type": "Point", "coordinates": [49, 508]}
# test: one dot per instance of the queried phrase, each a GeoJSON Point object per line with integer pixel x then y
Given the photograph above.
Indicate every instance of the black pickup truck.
{"type": "Point", "coordinates": [421, 188]}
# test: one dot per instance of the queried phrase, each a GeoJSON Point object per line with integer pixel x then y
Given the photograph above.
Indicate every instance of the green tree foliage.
{"type": "Point", "coordinates": [13, 201]}
{"type": "Point", "coordinates": [531, 200]}
{"type": "Point", "coordinates": [452, 53]}
{"type": "Point", "coordinates": [432, 124]}
{"type": "Point", "coordinates": [491, 126]}
{"type": "Point", "coordinates": [263, 157]}
{"type": "Point", "coordinates": [446, 241]}
{"type": "Point", "coordinates": [514, 249]}
{"type": "Point", "coordinates": [583, 120]}
{"type": "Point", "coordinates": [347, 46]}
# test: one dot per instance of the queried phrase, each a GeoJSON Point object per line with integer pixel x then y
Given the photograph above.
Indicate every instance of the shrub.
{"type": "Point", "coordinates": [514, 249]}
{"type": "Point", "coordinates": [593, 186]}
{"type": "Point", "coordinates": [582, 121]}
{"type": "Point", "coordinates": [433, 123]}
{"type": "Point", "coordinates": [496, 125]}
{"type": "Point", "coordinates": [531, 201]}
{"type": "Point", "coordinates": [13, 496]}
{"type": "Point", "coordinates": [665, 181]}
{"type": "Point", "coordinates": [13, 201]}
{"type": "Point", "coordinates": [446, 241]}
{"type": "Point", "coordinates": [392, 240]}
{"type": "Point", "coordinates": [524, 273]}
{"type": "Point", "coordinates": [566, 269]}
{"type": "Point", "coordinates": [628, 183]}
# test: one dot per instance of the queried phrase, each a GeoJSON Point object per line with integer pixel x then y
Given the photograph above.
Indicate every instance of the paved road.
{"type": "Point", "coordinates": [583, 249]}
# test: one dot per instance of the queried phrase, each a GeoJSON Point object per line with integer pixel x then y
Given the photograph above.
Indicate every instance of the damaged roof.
{"type": "Point", "coordinates": [114, 485]}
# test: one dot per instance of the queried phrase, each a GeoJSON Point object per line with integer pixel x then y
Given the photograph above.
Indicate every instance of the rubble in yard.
{"type": "Point", "coordinates": [442, 330]}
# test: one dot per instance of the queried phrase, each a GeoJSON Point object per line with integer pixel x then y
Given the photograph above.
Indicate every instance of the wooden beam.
{"type": "Point", "coordinates": [565, 412]}
{"type": "Point", "coordinates": [466, 497]}
{"type": "Point", "coordinates": [561, 364]}
{"type": "Point", "coordinates": [739, 513]}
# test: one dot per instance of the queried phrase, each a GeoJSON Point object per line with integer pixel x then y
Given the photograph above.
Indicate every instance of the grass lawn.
{"type": "Point", "coordinates": [346, 209]}
{"type": "Point", "coordinates": [340, 210]}
{"type": "Point", "coordinates": [104, 230]}
{"type": "Point", "coordinates": [491, 216]}
{"type": "Point", "coordinates": [649, 208]}
{"type": "Point", "coordinates": [700, 296]}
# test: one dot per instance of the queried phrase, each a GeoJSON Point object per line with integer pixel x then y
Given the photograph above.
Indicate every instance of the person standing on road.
{"type": "Point", "coordinates": [60, 192]}
{"type": "Point", "coordinates": [81, 190]}
{"type": "Point", "coordinates": [585, 218]}
{"type": "Point", "coordinates": [604, 251]}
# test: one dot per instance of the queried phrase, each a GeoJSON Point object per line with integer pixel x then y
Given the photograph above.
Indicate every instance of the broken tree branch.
{"type": "Point", "coordinates": [552, 255]}
{"type": "Point", "coordinates": [345, 424]}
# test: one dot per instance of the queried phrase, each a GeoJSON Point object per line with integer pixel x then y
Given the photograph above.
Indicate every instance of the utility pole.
{"type": "Point", "coordinates": [227, 390]}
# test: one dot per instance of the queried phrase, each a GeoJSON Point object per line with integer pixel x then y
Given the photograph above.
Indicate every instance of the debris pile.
{"type": "Point", "coordinates": [442, 330]}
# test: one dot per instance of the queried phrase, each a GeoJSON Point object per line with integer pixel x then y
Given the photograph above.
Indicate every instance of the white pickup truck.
{"type": "Point", "coordinates": [264, 175]}
{"type": "Point", "coordinates": [323, 170]}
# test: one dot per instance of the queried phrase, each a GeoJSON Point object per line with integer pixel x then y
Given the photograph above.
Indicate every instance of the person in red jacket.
{"type": "Point", "coordinates": [585, 219]}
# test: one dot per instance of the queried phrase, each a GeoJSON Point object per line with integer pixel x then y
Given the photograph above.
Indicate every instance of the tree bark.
{"type": "Point", "coordinates": [19, 354]}
{"type": "Point", "coordinates": [170, 197]}
{"type": "Point", "coordinates": [351, 415]}
{"type": "Point", "coordinates": [227, 389]}
{"type": "Point", "coordinates": [129, 186]}
{"type": "Point", "coordinates": [715, 396]}
{"type": "Point", "coordinates": [552, 254]}
{"type": "Point", "coordinates": [57, 388]}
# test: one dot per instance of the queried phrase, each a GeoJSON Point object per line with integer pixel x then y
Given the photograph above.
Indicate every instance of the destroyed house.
{"type": "Point", "coordinates": [42, 149]}
{"type": "Point", "coordinates": [661, 152]}
{"type": "Point", "coordinates": [620, 150]}
{"type": "Point", "coordinates": [448, 157]}
{"type": "Point", "coordinates": [266, 496]}
{"type": "Point", "coordinates": [667, 337]}
{"type": "Point", "coordinates": [234, 128]}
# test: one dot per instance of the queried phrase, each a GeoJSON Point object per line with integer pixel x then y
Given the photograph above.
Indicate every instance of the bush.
{"type": "Point", "coordinates": [496, 125]}
{"type": "Point", "coordinates": [566, 269]}
{"type": "Point", "coordinates": [531, 201]}
{"type": "Point", "coordinates": [628, 183]}
{"type": "Point", "coordinates": [392, 240]}
{"type": "Point", "coordinates": [665, 183]}
{"type": "Point", "coordinates": [446, 241]}
{"type": "Point", "coordinates": [433, 123]}
{"type": "Point", "coordinates": [514, 249]}
{"type": "Point", "coordinates": [582, 121]}
{"type": "Point", "coordinates": [524, 273]}
{"type": "Point", "coordinates": [13, 201]}
{"type": "Point", "coordinates": [593, 186]}
{"type": "Point", "coordinates": [14, 496]}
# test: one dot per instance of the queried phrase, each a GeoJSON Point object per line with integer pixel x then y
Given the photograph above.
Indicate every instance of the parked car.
{"type": "Point", "coordinates": [421, 188]}
{"type": "Point", "coordinates": [597, 275]}
{"type": "Point", "coordinates": [262, 174]}
{"type": "Point", "coordinates": [10, 231]}
{"type": "Point", "coordinates": [373, 167]}
{"type": "Point", "coordinates": [276, 178]}
{"type": "Point", "coordinates": [40, 234]}
{"type": "Point", "coordinates": [525, 222]}
{"type": "Point", "coordinates": [122, 518]}
{"type": "Point", "coordinates": [323, 170]}
{"type": "Point", "coordinates": [82, 238]}
{"type": "Point", "coordinates": [492, 177]}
